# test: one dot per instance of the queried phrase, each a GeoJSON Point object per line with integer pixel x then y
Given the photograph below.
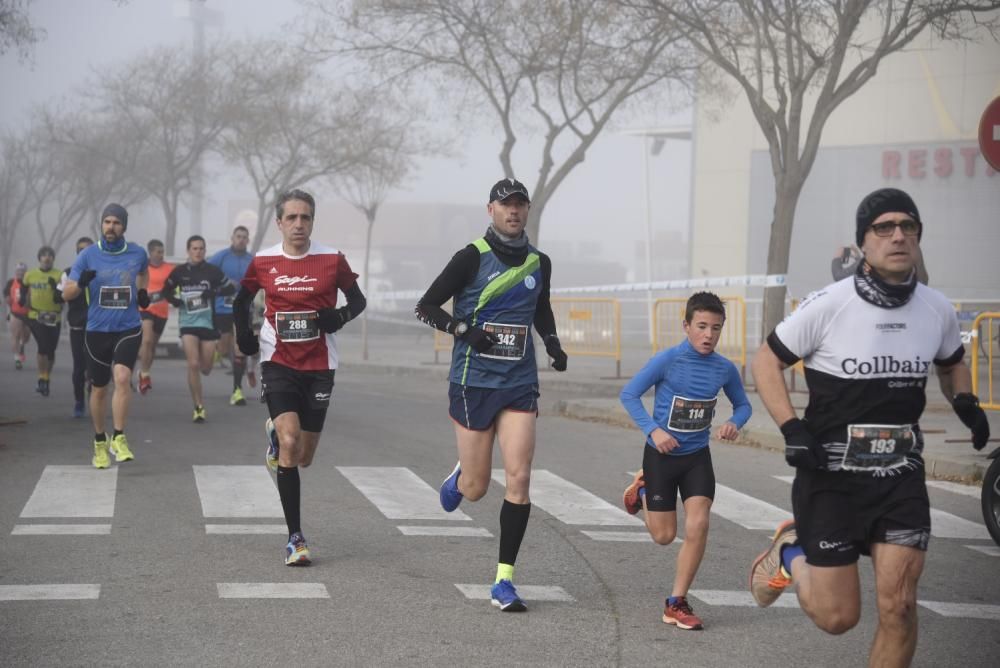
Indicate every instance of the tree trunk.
{"type": "Point", "coordinates": [258, 234]}
{"type": "Point", "coordinates": [786, 200]}
{"type": "Point", "coordinates": [532, 229]}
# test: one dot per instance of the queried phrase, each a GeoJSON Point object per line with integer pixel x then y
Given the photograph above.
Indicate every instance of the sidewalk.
{"type": "Point", "coordinates": [589, 391]}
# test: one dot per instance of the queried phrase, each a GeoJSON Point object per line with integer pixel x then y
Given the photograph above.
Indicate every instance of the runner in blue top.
{"type": "Point", "coordinates": [114, 272]}
{"type": "Point", "coordinates": [687, 379]}
{"type": "Point", "coordinates": [233, 262]}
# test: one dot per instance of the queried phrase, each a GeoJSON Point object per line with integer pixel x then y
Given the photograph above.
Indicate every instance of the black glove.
{"type": "Point", "coordinates": [801, 448]}
{"type": "Point", "coordinates": [52, 283]}
{"type": "Point", "coordinates": [555, 351]}
{"type": "Point", "coordinates": [248, 343]}
{"type": "Point", "coordinates": [207, 295]}
{"type": "Point", "coordinates": [331, 319]}
{"type": "Point", "coordinates": [142, 298]}
{"type": "Point", "coordinates": [479, 339]}
{"type": "Point", "coordinates": [967, 409]}
{"type": "Point", "coordinates": [86, 276]}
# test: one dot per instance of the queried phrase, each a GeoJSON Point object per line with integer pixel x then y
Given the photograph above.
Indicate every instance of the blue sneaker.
{"type": "Point", "coordinates": [450, 496]}
{"type": "Point", "coordinates": [78, 409]}
{"type": "Point", "coordinates": [505, 597]}
{"type": "Point", "coordinates": [271, 456]}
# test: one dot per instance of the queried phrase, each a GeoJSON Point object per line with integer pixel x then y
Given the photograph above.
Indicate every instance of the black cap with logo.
{"type": "Point", "coordinates": [505, 188]}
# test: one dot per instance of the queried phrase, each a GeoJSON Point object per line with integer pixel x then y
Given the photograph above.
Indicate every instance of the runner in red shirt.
{"type": "Point", "coordinates": [298, 348]}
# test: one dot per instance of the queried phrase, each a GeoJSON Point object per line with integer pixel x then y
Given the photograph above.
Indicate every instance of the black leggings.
{"type": "Point", "coordinates": [76, 344]}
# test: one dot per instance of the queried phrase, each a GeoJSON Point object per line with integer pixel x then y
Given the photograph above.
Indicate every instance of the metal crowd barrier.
{"type": "Point", "coordinates": [668, 328]}
{"type": "Point", "coordinates": [590, 327]}
{"type": "Point", "coordinates": [986, 331]}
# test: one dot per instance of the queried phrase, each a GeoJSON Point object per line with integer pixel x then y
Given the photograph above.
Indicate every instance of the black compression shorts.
{"type": "Point", "coordinates": [105, 349]}
{"type": "Point", "coordinates": [159, 324]}
{"type": "Point", "coordinates": [203, 333]}
{"type": "Point", "coordinates": [46, 337]}
{"type": "Point", "coordinates": [306, 393]}
{"type": "Point", "coordinates": [664, 475]}
{"type": "Point", "coordinates": [838, 515]}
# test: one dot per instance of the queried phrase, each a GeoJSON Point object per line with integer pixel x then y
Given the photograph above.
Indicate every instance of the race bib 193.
{"type": "Point", "coordinates": [691, 414]}
{"type": "Point", "coordinates": [876, 447]}
{"type": "Point", "coordinates": [115, 296]}
{"type": "Point", "coordinates": [511, 341]}
{"type": "Point", "coordinates": [296, 326]}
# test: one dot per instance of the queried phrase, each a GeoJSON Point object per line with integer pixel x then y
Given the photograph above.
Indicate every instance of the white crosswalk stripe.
{"type": "Point", "coordinates": [964, 610]}
{"type": "Point", "coordinates": [741, 599]}
{"type": "Point", "coordinates": [571, 504]}
{"type": "Point", "coordinates": [955, 488]}
{"type": "Point", "coordinates": [246, 529]}
{"type": "Point", "coordinates": [747, 511]}
{"type": "Point", "coordinates": [73, 491]}
{"type": "Point", "coordinates": [61, 530]}
{"type": "Point", "coordinates": [50, 592]}
{"type": "Point", "coordinates": [528, 592]}
{"type": "Point", "coordinates": [399, 494]}
{"type": "Point", "coordinates": [237, 491]}
{"type": "Point", "coordinates": [988, 550]}
{"type": "Point", "coordinates": [272, 590]}
{"type": "Point", "coordinates": [622, 536]}
{"type": "Point", "coordinates": [474, 532]}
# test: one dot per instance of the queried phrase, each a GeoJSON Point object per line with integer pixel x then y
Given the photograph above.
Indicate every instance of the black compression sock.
{"type": "Point", "coordinates": [239, 367]}
{"type": "Point", "coordinates": [289, 491]}
{"type": "Point", "coordinates": [118, 432]}
{"type": "Point", "coordinates": [513, 523]}
{"type": "Point", "coordinates": [100, 437]}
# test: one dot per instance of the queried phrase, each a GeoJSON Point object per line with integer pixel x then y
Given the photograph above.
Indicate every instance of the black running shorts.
{"type": "Point", "coordinates": [476, 408]}
{"type": "Point", "coordinates": [838, 515]}
{"type": "Point", "coordinates": [159, 324]}
{"type": "Point", "coordinates": [665, 475]}
{"type": "Point", "coordinates": [105, 349]}
{"type": "Point", "coordinates": [46, 337]}
{"type": "Point", "coordinates": [203, 333]}
{"type": "Point", "coordinates": [306, 393]}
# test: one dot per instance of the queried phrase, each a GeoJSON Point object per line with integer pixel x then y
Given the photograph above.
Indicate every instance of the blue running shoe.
{"type": "Point", "coordinates": [450, 496]}
{"type": "Point", "coordinates": [505, 597]}
{"type": "Point", "coordinates": [78, 409]}
{"type": "Point", "coordinates": [271, 456]}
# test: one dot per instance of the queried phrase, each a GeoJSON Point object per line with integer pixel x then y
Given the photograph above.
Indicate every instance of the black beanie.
{"type": "Point", "coordinates": [882, 201]}
{"type": "Point", "coordinates": [118, 211]}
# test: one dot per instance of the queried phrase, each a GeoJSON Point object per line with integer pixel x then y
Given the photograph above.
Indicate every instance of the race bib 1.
{"type": "Point", "coordinates": [48, 318]}
{"type": "Point", "coordinates": [511, 343]}
{"type": "Point", "coordinates": [691, 414]}
{"type": "Point", "coordinates": [296, 326]}
{"type": "Point", "coordinates": [115, 296]}
{"type": "Point", "coordinates": [877, 447]}
{"type": "Point", "coordinates": [195, 302]}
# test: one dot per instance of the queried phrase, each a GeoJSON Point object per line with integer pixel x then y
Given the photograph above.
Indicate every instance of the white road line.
{"type": "Point", "coordinates": [571, 504]}
{"type": "Point", "coordinates": [73, 491]}
{"type": "Point", "coordinates": [474, 532]}
{"type": "Point", "coordinates": [622, 536]}
{"type": "Point", "coordinates": [399, 493]}
{"type": "Point", "coordinates": [943, 525]}
{"type": "Point", "coordinates": [237, 491]}
{"type": "Point", "coordinates": [528, 592]}
{"type": "Point", "coordinates": [745, 510]}
{"type": "Point", "coordinates": [988, 550]}
{"type": "Point", "coordinates": [964, 610]}
{"type": "Point", "coordinates": [954, 487]}
{"type": "Point", "coordinates": [272, 590]}
{"type": "Point", "coordinates": [61, 530]}
{"type": "Point", "coordinates": [50, 592]}
{"type": "Point", "coordinates": [785, 478]}
{"type": "Point", "coordinates": [741, 599]}
{"type": "Point", "coordinates": [232, 529]}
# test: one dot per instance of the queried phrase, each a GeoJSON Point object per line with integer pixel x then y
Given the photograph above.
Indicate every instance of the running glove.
{"type": "Point", "coordinates": [248, 343]}
{"type": "Point", "coordinates": [555, 351]}
{"type": "Point", "coordinates": [142, 298]}
{"type": "Point", "coordinates": [802, 450]}
{"type": "Point", "coordinates": [967, 409]}
{"type": "Point", "coordinates": [331, 319]}
{"type": "Point", "coordinates": [479, 339]}
{"type": "Point", "coordinates": [86, 276]}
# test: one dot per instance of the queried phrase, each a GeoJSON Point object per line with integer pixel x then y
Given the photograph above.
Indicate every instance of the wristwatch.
{"type": "Point", "coordinates": [460, 329]}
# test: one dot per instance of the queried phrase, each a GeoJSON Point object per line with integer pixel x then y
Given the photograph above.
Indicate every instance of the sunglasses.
{"type": "Point", "coordinates": [888, 228]}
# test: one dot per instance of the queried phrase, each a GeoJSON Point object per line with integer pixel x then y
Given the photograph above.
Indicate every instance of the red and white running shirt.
{"type": "Point", "coordinates": [295, 287]}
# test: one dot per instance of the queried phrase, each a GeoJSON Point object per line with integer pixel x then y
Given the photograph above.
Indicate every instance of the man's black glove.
{"type": "Point", "coordinates": [479, 339]}
{"type": "Point", "coordinates": [967, 409]}
{"type": "Point", "coordinates": [207, 295]}
{"type": "Point", "coordinates": [52, 283]}
{"type": "Point", "coordinates": [142, 298]}
{"type": "Point", "coordinates": [332, 319]}
{"type": "Point", "coordinates": [802, 450]}
{"type": "Point", "coordinates": [86, 276]}
{"type": "Point", "coordinates": [555, 351]}
{"type": "Point", "coordinates": [248, 343]}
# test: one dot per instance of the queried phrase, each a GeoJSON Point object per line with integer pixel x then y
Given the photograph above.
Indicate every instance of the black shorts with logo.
{"type": "Point", "coordinates": [159, 324]}
{"type": "Point", "coordinates": [665, 475]}
{"type": "Point", "coordinates": [46, 336]}
{"type": "Point", "coordinates": [105, 349]}
{"type": "Point", "coordinates": [306, 393]}
{"type": "Point", "coordinates": [838, 514]}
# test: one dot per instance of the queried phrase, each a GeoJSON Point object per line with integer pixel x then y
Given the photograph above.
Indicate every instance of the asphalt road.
{"type": "Point", "coordinates": [389, 598]}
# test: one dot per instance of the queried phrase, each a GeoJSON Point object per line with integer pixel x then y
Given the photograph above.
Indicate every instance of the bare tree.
{"type": "Point", "coordinates": [796, 61]}
{"type": "Point", "coordinates": [174, 107]}
{"type": "Point", "coordinates": [292, 127]}
{"type": "Point", "coordinates": [367, 186]}
{"type": "Point", "coordinates": [15, 195]}
{"type": "Point", "coordinates": [558, 69]}
{"type": "Point", "coordinates": [16, 29]}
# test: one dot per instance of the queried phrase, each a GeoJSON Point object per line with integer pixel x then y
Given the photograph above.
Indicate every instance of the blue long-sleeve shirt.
{"type": "Point", "coordinates": [687, 386]}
